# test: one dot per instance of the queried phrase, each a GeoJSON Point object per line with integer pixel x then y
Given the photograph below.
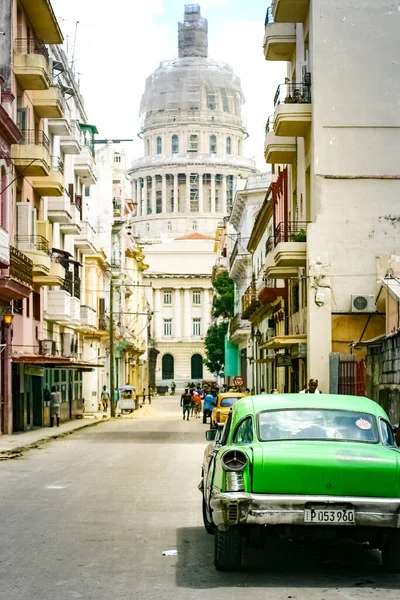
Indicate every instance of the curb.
{"type": "Point", "coordinates": [18, 451]}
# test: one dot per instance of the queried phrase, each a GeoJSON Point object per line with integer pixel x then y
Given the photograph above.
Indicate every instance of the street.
{"type": "Point", "coordinates": [89, 516]}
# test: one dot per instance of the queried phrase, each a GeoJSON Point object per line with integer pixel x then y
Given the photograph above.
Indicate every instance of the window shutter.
{"type": "Point", "coordinates": [24, 225]}
{"type": "Point", "coordinates": [102, 306]}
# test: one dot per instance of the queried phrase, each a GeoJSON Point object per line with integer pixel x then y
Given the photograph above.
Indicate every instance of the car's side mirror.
{"type": "Point", "coordinates": [211, 435]}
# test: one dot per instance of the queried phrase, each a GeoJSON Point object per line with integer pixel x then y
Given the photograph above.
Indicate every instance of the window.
{"type": "Point", "coordinates": [169, 226]}
{"type": "Point", "coordinates": [117, 158]}
{"type": "Point", "coordinates": [148, 227]}
{"type": "Point", "coordinates": [225, 101]}
{"type": "Point", "coordinates": [194, 225]}
{"type": "Point", "coordinates": [211, 100]}
{"type": "Point", "coordinates": [18, 307]}
{"type": "Point", "coordinates": [167, 296]}
{"type": "Point", "coordinates": [3, 199]}
{"type": "Point", "coordinates": [387, 434]}
{"type": "Point", "coordinates": [167, 366]}
{"type": "Point", "coordinates": [159, 145]}
{"type": "Point", "coordinates": [229, 192]}
{"type": "Point", "coordinates": [229, 145]}
{"type": "Point", "coordinates": [175, 144]}
{"type": "Point", "coordinates": [244, 432]}
{"type": "Point", "coordinates": [196, 296]}
{"type": "Point", "coordinates": [213, 144]}
{"type": "Point", "coordinates": [167, 327]}
{"type": "Point", "coordinates": [36, 306]}
{"type": "Point", "coordinates": [196, 327]}
{"type": "Point", "coordinates": [193, 143]}
{"type": "Point", "coordinates": [196, 365]}
{"type": "Point", "coordinates": [87, 191]}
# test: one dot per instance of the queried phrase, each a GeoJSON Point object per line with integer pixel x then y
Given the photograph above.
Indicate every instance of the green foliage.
{"type": "Point", "coordinates": [215, 347]}
{"type": "Point", "coordinates": [300, 236]}
{"type": "Point", "coordinates": [223, 301]}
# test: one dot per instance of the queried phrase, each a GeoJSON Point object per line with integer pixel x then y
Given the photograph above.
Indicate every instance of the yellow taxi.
{"type": "Point", "coordinates": [221, 410]}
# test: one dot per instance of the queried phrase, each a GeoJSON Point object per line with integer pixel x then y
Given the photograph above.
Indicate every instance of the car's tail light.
{"type": "Point", "coordinates": [234, 460]}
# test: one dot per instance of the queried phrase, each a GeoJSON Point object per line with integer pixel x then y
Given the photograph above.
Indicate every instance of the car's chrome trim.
{"type": "Point", "coordinates": [274, 509]}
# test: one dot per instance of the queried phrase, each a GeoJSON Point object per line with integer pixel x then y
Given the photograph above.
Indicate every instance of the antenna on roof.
{"type": "Point", "coordinates": [73, 49]}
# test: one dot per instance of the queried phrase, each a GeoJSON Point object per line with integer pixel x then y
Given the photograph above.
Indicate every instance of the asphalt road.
{"type": "Point", "coordinates": [88, 516]}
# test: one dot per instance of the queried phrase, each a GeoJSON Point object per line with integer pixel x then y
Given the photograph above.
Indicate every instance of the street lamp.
{"type": "Point", "coordinates": [6, 368]}
{"type": "Point", "coordinates": [8, 318]}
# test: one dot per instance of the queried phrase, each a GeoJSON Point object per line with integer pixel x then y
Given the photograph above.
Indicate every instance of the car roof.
{"type": "Point", "coordinates": [256, 404]}
{"type": "Point", "coordinates": [231, 395]}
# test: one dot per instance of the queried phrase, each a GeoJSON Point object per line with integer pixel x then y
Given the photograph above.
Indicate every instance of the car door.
{"type": "Point", "coordinates": [212, 453]}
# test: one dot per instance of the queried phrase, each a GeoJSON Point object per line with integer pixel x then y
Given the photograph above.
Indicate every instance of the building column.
{"type": "Point", "coordinates": [153, 194]}
{"type": "Point", "coordinates": [164, 193]}
{"type": "Point", "coordinates": [145, 196]}
{"type": "Point", "coordinates": [177, 323]}
{"type": "Point", "coordinates": [201, 200]}
{"type": "Point", "coordinates": [176, 199]}
{"type": "Point", "coordinates": [188, 192]}
{"type": "Point", "coordinates": [213, 192]}
{"type": "Point", "coordinates": [158, 333]}
{"type": "Point", "coordinates": [187, 315]}
{"type": "Point", "coordinates": [223, 203]}
{"type": "Point", "coordinates": [138, 196]}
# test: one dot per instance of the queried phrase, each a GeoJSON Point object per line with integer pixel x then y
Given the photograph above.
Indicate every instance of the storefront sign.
{"type": "Point", "coordinates": [283, 360]}
{"type": "Point", "coordinates": [34, 370]}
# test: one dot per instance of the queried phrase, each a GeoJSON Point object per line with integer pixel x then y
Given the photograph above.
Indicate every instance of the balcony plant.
{"type": "Point", "coordinates": [299, 236]}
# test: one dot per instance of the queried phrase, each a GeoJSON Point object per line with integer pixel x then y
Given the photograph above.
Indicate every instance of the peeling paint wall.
{"type": "Point", "coordinates": [5, 42]}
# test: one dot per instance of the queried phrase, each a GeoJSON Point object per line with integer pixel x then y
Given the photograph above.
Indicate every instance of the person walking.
{"type": "Point", "coordinates": [208, 405]}
{"type": "Point", "coordinates": [105, 397]}
{"type": "Point", "coordinates": [144, 396]}
{"type": "Point", "coordinates": [173, 388]}
{"type": "Point", "coordinates": [55, 406]}
{"type": "Point", "coordinates": [186, 400]}
{"type": "Point", "coordinates": [312, 387]}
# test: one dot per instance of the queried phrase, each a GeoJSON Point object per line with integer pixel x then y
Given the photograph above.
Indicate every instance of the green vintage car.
{"type": "Point", "coordinates": [302, 466]}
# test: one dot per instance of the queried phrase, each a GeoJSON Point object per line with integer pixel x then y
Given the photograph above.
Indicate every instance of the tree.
{"type": "Point", "coordinates": [215, 347]}
{"type": "Point", "coordinates": [224, 297]}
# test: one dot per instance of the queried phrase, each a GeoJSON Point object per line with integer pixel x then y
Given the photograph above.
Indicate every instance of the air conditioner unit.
{"type": "Point", "coordinates": [363, 303]}
{"type": "Point", "coordinates": [45, 347]}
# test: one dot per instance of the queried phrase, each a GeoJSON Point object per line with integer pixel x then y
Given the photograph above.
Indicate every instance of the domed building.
{"type": "Point", "coordinates": [193, 133]}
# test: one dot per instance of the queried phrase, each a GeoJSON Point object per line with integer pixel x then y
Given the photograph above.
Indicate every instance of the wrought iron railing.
{"type": "Point", "coordinates": [237, 323]}
{"type": "Point", "coordinates": [57, 164]}
{"type": "Point", "coordinates": [77, 200]}
{"type": "Point", "coordinates": [269, 16]}
{"type": "Point", "coordinates": [104, 323]}
{"type": "Point", "coordinates": [269, 244]}
{"type": "Point", "coordinates": [35, 137]}
{"type": "Point", "coordinates": [291, 231]}
{"type": "Point", "coordinates": [21, 267]}
{"type": "Point", "coordinates": [32, 243]}
{"type": "Point", "coordinates": [30, 46]}
{"type": "Point", "coordinates": [293, 93]}
{"type": "Point", "coordinates": [67, 285]}
{"type": "Point", "coordinates": [269, 126]}
{"type": "Point", "coordinates": [77, 287]}
{"type": "Point", "coordinates": [250, 301]}
{"type": "Point", "coordinates": [234, 253]}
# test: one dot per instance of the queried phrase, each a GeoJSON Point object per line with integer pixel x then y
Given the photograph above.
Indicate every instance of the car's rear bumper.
{"type": "Point", "coordinates": [234, 508]}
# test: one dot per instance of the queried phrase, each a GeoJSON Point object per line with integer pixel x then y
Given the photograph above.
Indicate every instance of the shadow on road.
{"type": "Point", "coordinates": [282, 564]}
{"type": "Point", "coordinates": [142, 437]}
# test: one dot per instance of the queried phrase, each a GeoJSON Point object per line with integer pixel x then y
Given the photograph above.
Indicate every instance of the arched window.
{"type": "Point", "coordinates": [213, 144]}
{"type": "Point", "coordinates": [167, 366]}
{"type": "Point", "coordinates": [147, 227]}
{"type": "Point", "coordinates": [175, 144]}
{"type": "Point", "coordinates": [197, 366]}
{"type": "Point", "coordinates": [159, 145]}
{"type": "Point", "coordinates": [228, 145]}
{"type": "Point", "coordinates": [148, 147]}
{"type": "Point", "coordinates": [194, 225]}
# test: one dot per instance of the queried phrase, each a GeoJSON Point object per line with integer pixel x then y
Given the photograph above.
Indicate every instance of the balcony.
{"type": "Point", "coordinates": [32, 155]}
{"type": "Point", "coordinates": [279, 39]}
{"type": "Point", "coordinates": [270, 292]}
{"type": "Point", "coordinates": [43, 21]}
{"type": "Point", "coordinates": [53, 183]}
{"type": "Point", "coordinates": [239, 329]}
{"type": "Point", "coordinates": [278, 150]}
{"type": "Point", "coordinates": [290, 250]}
{"type": "Point", "coordinates": [71, 143]}
{"type": "Point", "coordinates": [88, 318]}
{"type": "Point", "coordinates": [75, 311]}
{"type": "Point", "coordinates": [61, 126]}
{"type": "Point", "coordinates": [293, 111]}
{"type": "Point", "coordinates": [49, 104]}
{"type": "Point", "coordinates": [16, 281]}
{"type": "Point", "coordinates": [31, 64]}
{"type": "Point", "coordinates": [290, 11]}
{"type": "Point", "coordinates": [250, 302]}
{"type": "Point", "coordinates": [239, 259]}
{"type": "Point", "coordinates": [84, 166]}
{"type": "Point", "coordinates": [62, 210]}
{"type": "Point", "coordinates": [58, 306]}
{"type": "Point", "coordinates": [45, 270]}
{"type": "Point", "coordinates": [85, 241]}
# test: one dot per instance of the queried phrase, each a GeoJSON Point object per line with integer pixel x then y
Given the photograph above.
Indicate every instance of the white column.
{"type": "Point", "coordinates": [145, 195]}
{"type": "Point", "coordinates": [223, 204]}
{"type": "Point", "coordinates": [201, 201]}
{"type": "Point", "coordinates": [138, 197]}
{"type": "Point", "coordinates": [205, 322]}
{"type": "Point", "coordinates": [153, 195]}
{"type": "Point", "coordinates": [177, 323]}
{"type": "Point", "coordinates": [164, 193]}
{"type": "Point", "coordinates": [176, 202]}
{"type": "Point", "coordinates": [187, 317]}
{"type": "Point", "coordinates": [212, 192]}
{"type": "Point", "coordinates": [188, 192]}
{"type": "Point", "coordinates": [158, 333]}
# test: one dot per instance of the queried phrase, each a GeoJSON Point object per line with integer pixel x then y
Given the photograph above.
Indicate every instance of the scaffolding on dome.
{"type": "Point", "coordinates": [193, 33]}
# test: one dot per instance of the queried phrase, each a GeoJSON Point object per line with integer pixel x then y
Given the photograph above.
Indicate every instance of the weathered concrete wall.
{"type": "Point", "coordinates": [383, 376]}
{"type": "Point", "coordinates": [5, 41]}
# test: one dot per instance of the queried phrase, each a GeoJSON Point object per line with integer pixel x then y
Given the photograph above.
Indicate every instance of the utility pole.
{"type": "Point", "coordinates": [112, 374]}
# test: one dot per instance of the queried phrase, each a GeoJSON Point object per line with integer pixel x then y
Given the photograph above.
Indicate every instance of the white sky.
{"type": "Point", "coordinates": [114, 53]}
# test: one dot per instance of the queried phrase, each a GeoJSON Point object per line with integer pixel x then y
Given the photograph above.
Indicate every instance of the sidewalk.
{"type": "Point", "coordinates": [11, 445]}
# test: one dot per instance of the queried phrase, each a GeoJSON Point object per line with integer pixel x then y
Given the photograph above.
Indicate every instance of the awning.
{"type": "Point", "coordinates": [376, 341]}
{"type": "Point", "coordinates": [284, 341]}
{"type": "Point", "coordinates": [55, 362]}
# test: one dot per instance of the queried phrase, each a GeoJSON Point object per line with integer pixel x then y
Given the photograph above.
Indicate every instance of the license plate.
{"type": "Point", "coordinates": [330, 516]}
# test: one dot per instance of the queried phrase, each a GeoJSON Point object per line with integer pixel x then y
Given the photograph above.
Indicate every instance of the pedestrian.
{"type": "Point", "coordinates": [262, 391]}
{"type": "Point", "coordinates": [173, 388]}
{"type": "Point", "coordinates": [144, 396]}
{"type": "Point", "coordinates": [149, 394]}
{"type": "Point", "coordinates": [208, 405]}
{"type": "Point", "coordinates": [186, 400]}
{"type": "Point", "coordinates": [55, 406]}
{"type": "Point", "coordinates": [197, 405]}
{"type": "Point", "coordinates": [312, 387]}
{"type": "Point", "coordinates": [274, 391]}
{"type": "Point", "coordinates": [247, 392]}
{"type": "Point", "coordinates": [105, 396]}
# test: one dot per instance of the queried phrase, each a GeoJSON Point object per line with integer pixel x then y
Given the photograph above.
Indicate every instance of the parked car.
{"type": "Point", "coordinates": [221, 410]}
{"type": "Point", "coordinates": [303, 467]}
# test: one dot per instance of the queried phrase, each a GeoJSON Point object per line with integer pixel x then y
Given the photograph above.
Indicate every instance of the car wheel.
{"type": "Point", "coordinates": [391, 553]}
{"type": "Point", "coordinates": [228, 549]}
{"type": "Point", "coordinates": [208, 522]}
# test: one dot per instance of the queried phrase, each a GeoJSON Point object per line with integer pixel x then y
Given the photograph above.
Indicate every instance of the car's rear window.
{"type": "Point", "coordinates": [321, 424]}
{"type": "Point", "coordinates": [228, 401]}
